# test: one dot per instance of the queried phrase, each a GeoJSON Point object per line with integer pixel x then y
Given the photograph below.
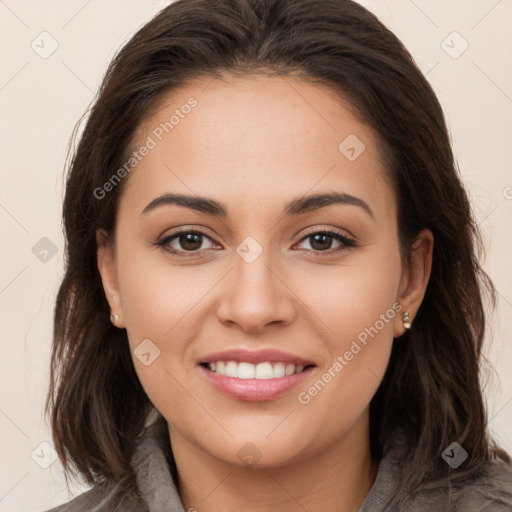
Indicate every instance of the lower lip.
{"type": "Point", "coordinates": [255, 390]}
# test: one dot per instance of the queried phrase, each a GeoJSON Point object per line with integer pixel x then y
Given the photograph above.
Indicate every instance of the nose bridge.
{"type": "Point", "coordinates": [252, 268]}
{"type": "Point", "coordinates": [255, 296]}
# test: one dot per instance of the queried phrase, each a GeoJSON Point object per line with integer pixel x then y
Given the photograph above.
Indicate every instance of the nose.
{"type": "Point", "coordinates": [254, 295]}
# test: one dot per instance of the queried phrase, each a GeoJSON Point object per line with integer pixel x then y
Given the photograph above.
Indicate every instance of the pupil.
{"type": "Point", "coordinates": [318, 237]}
{"type": "Point", "coordinates": [192, 241]}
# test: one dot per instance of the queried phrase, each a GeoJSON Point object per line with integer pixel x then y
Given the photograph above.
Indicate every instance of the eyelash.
{"type": "Point", "coordinates": [348, 243]}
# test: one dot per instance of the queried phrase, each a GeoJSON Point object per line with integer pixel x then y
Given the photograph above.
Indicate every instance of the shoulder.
{"type": "Point", "coordinates": [148, 480]}
{"type": "Point", "coordinates": [487, 490]}
{"type": "Point", "coordinates": [490, 490]}
{"type": "Point", "coordinates": [86, 501]}
{"type": "Point", "coordinates": [102, 499]}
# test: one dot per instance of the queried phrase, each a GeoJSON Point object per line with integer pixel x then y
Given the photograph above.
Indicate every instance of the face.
{"type": "Point", "coordinates": [306, 295]}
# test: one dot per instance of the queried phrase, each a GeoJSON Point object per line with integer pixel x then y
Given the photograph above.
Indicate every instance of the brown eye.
{"type": "Point", "coordinates": [190, 242]}
{"type": "Point", "coordinates": [322, 241]}
{"type": "Point", "coordinates": [184, 241]}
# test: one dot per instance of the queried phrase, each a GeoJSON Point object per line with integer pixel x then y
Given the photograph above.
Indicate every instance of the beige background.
{"type": "Point", "coordinates": [42, 98]}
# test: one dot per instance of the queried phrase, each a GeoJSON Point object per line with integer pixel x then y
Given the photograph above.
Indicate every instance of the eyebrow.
{"type": "Point", "coordinates": [295, 207]}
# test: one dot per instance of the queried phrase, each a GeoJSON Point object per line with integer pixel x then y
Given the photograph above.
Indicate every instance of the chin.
{"type": "Point", "coordinates": [260, 452]}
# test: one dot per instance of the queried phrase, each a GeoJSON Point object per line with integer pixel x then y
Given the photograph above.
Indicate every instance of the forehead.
{"type": "Point", "coordinates": [248, 138]}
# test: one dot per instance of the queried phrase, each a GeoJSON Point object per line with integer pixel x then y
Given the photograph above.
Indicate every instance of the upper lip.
{"type": "Point", "coordinates": [255, 356]}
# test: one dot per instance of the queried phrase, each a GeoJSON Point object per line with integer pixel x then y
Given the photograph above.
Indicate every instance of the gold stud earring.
{"type": "Point", "coordinates": [407, 320]}
{"type": "Point", "coordinates": [114, 318]}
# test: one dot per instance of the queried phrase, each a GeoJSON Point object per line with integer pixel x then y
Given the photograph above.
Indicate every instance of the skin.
{"type": "Point", "coordinates": [254, 144]}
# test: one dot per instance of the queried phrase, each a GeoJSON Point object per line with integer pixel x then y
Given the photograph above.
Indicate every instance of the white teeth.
{"type": "Point", "coordinates": [231, 369]}
{"type": "Point", "coordinates": [245, 370]}
{"type": "Point", "coordinates": [264, 371]}
{"type": "Point", "coordinates": [279, 370]}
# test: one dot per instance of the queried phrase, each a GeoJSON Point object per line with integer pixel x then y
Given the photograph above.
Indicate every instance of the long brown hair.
{"type": "Point", "coordinates": [431, 389]}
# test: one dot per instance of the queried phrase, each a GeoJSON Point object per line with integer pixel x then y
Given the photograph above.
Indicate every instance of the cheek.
{"type": "Point", "coordinates": [156, 297]}
{"type": "Point", "coordinates": [160, 305]}
{"type": "Point", "coordinates": [357, 304]}
{"type": "Point", "coordinates": [352, 297]}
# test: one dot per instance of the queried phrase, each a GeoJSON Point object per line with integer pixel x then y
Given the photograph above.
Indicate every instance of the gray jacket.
{"type": "Point", "coordinates": [155, 489]}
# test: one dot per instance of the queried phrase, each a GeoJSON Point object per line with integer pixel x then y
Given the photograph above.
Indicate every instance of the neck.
{"type": "Point", "coordinates": [336, 478]}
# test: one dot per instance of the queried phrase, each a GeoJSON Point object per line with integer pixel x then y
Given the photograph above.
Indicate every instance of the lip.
{"type": "Point", "coordinates": [255, 390]}
{"type": "Point", "coordinates": [255, 357]}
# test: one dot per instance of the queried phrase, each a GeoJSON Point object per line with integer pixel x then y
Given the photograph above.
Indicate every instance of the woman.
{"type": "Point", "coordinates": [320, 353]}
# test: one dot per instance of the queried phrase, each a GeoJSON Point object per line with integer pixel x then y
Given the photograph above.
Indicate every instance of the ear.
{"type": "Point", "coordinates": [108, 271]}
{"type": "Point", "coordinates": [415, 277]}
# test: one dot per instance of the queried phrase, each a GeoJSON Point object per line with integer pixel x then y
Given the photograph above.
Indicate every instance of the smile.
{"type": "Point", "coordinates": [254, 383]}
{"type": "Point", "coordinates": [245, 370]}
